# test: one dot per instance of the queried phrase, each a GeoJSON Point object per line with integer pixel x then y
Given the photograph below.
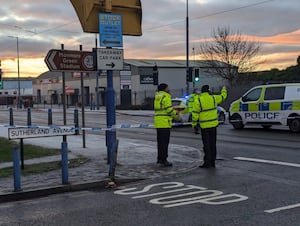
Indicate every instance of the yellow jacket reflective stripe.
{"type": "Point", "coordinates": [205, 109]}
{"type": "Point", "coordinates": [163, 110]}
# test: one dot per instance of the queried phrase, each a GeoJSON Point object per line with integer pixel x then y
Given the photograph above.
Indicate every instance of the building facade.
{"type": "Point", "coordinates": [133, 85]}
{"type": "Point", "coordinates": [14, 88]}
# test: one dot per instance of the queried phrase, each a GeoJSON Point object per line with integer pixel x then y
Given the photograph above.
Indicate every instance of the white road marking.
{"type": "Point", "coordinates": [283, 208]}
{"type": "Point", "coordinates": [267, 161]}
{"type": "Point", "coordinates": [200, 195]}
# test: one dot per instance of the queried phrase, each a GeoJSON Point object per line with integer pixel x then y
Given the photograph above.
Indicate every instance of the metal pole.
{"type": "Point", "coordinates": [11, 117]}
{"type": "Point", "coordinates": [82, 106]}
{"type": "Point", "coordinates": [64, 99]}
{"type": "Point", "coordinates": [97, 79]}
{"type": "Point", "coordinates": [187, 46]}
{"type": "Point", "coordinates": [194, 65]}
{"type": "Point", "coordinates": [19, 85]}
{"type": "Point", "coordinates": [64, 144]}
{"type": "Point", "coordinates": [17, 169]}
{"type": "Point", "coordinates": [22, 153]}
{"type": "Point", "coordinates": [49, 117]}
{"type": "Point", "coordinates": [76, 122]}
{"type": "Point", "coordinates": [110, 115]}
{"type": "Point", "coordinates": [28, 116]}
{"type": "Point", "coordinates": [64, 160]}
{"type": "Point", "coordinates": [18, 65]}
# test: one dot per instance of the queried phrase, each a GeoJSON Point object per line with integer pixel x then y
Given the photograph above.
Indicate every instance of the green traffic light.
{"type": "Point", "coordinates": [197, 79]}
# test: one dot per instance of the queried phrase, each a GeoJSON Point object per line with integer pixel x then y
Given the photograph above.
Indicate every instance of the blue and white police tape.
{"type": "Point", "coordinates": [113, 127]}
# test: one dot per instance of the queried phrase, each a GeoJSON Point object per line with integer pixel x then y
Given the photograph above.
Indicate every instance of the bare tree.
{"type": "Point", "coordinates": [229, 53]}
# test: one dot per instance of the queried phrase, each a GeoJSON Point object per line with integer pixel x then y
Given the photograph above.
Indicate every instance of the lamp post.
{"type": "Point", "coordinates": [18, 63]}
{"type": "Point", "coordinates": [97, 78]}
{"type": "Point", "coordinates": [187, 46]}
{"type": "Point", "coordinates": [194, 65]}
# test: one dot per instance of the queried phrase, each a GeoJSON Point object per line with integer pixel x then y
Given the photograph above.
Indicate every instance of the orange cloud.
{"type": "Point", "coordinates": [292, 38]}
{"type": "Point", "coordinates": [28, 67]}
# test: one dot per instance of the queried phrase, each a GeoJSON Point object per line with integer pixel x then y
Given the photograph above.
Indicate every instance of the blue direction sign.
{"type": "Point", "coordinates": [110, 27]}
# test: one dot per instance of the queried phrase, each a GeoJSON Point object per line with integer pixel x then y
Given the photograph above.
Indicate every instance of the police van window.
{"type": "Point", "coordinates": [274, 93]}
{"type": "Point", "coordinates": [253, 95]}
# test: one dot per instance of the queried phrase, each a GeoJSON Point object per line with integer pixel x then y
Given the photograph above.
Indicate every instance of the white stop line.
{"type": "Point", "coordinates": [267, 161]}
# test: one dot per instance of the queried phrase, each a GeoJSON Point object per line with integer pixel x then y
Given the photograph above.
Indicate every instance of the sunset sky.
{"type": "Point", "coordinates": [44, 25]}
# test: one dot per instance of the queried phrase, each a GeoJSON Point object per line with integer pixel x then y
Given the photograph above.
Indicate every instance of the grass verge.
{"type": "Point", "coordinates": [30, 151]}
{"type": "Point", "coordinates": [43, 167]}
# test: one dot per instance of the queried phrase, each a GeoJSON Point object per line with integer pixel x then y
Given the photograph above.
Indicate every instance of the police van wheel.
{"type": "Point", "coordinates": [294, 125]}
{"type": "Point", "coordinates": [238, 124]}
{"type": "Point", "coordinates": [221, 118]}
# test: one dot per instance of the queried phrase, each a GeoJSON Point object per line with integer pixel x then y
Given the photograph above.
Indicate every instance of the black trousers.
{"type": "Point", "coordinates": [209, 139]}
{"type": "Point", "coordinates": [163, 139]}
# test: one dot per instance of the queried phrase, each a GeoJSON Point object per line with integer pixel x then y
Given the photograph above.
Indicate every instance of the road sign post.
{"type": "Point", "coordinates": [110, 27]}
{"type": "Point", "coordinates": [111, 136]}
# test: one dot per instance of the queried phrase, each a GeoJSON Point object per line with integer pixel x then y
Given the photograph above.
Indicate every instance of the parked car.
{"type": "Point", "coordinates": [180, 104]}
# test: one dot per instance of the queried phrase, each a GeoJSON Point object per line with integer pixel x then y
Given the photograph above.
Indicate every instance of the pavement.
{"type": "Point", "coordinates": [136, 160]}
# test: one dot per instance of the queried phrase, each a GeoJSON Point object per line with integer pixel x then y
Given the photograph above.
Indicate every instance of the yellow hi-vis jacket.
{"type": "Point", "coordinates": [205, 109]}
{"type": "Point", "coordinates": [163, 110]}
{"type": "Point", "coordinates": [191, 100]}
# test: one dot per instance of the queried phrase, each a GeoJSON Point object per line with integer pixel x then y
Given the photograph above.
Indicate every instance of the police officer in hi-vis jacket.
{"type": "Point", "coordinates": [163, 116]}
{"type": "Point", "coordinates": [205, 112]}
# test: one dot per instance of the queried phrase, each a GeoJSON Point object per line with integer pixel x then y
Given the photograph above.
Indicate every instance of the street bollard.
{"type": "Point", "coordinates": [17, 169]}
{"type": "Point", "coordinates": [49, 117]}
{"type": "Point", "coordinates": [28, 116]}
{"type": "Point", "coordinates": [76, 121]}
{"type": "Point", "coordinates": [11, 117]}
{"type": "Point", "coordinates": [64, 164]}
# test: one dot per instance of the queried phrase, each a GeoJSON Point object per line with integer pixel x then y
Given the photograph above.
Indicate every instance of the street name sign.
{"type": "Point", "coordinates": [110, 59]}
{"type": "Point", "coordinates": [69, 60]}
{"type": "Point", "coordinates": [110, 27]}
{"type": "Point", "coordinates": [24, 132]}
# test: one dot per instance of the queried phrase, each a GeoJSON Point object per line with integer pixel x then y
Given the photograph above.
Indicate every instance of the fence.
{"type": "Point", "coordinates": [123, 98]}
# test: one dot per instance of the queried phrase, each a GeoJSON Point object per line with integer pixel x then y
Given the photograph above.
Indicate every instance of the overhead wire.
{"type": "Point", "coordinates": [211, 14]}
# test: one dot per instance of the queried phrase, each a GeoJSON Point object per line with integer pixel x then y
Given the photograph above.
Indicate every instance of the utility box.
{"type": "Point", "coordinates": [131, 11]}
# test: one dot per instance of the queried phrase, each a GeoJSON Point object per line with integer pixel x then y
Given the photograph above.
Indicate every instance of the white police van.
{"type": "Point", "coordinates": [267, 105]}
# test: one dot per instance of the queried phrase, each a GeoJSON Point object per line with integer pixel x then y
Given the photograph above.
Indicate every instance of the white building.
{"type": "Point", "coordinates": [9, 93]}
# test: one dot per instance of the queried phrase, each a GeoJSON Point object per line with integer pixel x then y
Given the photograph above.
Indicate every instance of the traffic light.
{"type": "Point", "coordinates": [155, 75]}
{"type": "Point", "coordinates": [189, 76]}
{"type": "Point", "coordinates": [131, 11]}
{"type": "Point", "coordinates": [197, 75]}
